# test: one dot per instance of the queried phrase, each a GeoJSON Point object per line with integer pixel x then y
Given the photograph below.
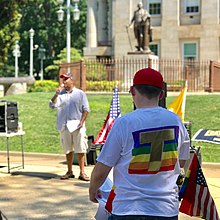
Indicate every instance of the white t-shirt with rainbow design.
{"type": "Point", "coordinates": [145, 147]}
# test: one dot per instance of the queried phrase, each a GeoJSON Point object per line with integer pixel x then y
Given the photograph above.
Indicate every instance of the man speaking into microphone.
{"type": "Point", "coordinates": [72, 110]}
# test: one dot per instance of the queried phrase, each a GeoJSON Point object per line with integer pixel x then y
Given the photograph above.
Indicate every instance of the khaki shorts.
{"type": "Point", "coordinates": [76, 141]}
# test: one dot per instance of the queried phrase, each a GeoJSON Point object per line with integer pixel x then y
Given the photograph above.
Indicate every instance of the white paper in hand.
{"type": "Point", "coordinates": [72, 125]}
{"type": "Point", "coordinates": [102, 213]}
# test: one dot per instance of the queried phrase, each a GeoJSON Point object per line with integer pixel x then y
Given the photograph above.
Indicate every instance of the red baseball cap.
{"type": "Point", "coordinates": [66, 76]}
{"type": "Point", "coordinates": [148, 76]}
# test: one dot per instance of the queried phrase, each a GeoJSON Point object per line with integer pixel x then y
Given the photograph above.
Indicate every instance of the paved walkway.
{"type": "Point", "coordinates": [36, 192]}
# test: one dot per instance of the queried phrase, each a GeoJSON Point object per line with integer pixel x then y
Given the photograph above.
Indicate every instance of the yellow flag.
{"type": "Point", "coordinates": [178, 105]}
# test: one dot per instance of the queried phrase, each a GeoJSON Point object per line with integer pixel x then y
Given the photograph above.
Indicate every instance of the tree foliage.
{"type": "Point", "coordinates": [40, 15]}
{"type": "Point", "coordinates": [52, 70]}
{"type": "Point", "coordinates": [9, 23]}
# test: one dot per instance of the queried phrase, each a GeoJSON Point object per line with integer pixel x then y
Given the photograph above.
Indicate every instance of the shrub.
{"type": "Point", "coordinates": [96, 71]}
{"type": "Point", "coordinates": [101, 85]}
{"type": "Point", "coordinates": [51, 85]}
{"type": "Point", "coordinates": [43, 86]}
{"type": "Point", "coordinates": [52, 71]}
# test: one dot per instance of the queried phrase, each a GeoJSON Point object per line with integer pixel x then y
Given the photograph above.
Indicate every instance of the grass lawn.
{"type": "Point", "coordinates": [39, 121]}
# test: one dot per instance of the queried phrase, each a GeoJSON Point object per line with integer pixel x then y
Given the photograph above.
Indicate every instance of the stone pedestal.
{"type": "Point", "coordinates": [2, 91]}
{"type": "Point", "coordinates": [17, 88]}
{"type": "Point", "coordinates": [147, 58]}
{"type": "Point", "coordinates": [135, 61]}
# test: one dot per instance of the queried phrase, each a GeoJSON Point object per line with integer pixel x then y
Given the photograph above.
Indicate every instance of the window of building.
{"type": "Point", "coordinates": [190, 51]}
{"type": "Point", "coordinates": [192, 6]}
{"type": "Point", "coordinates": [154, 48]}
{"type": "Point", "coordinates": [154, 7]}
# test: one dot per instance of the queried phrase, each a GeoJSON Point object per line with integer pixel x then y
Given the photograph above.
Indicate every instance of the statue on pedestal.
{"type": "Point", "coordinates": [142, 28]}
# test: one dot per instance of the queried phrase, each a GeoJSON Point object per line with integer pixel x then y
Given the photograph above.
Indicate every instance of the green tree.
{"type": "Point", "coordinates": [41, 15]}
{"type": "Point", "coordinates": [9, 23]}
{"type": "Point", "coordinates": [52, 70]}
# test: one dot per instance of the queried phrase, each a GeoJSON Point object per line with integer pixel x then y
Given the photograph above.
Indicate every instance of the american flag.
{"type": "Point", "coordinates": [197, 200]}
{"type": "Point", "coordinates": [113, 114]}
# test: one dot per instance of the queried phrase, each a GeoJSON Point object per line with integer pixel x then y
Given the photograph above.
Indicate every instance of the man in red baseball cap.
{"type": "Point", "coordinates": [72, 110]}
{"type": "Point", "coordinates": [147, 148]}
{"type": "Point", "coordinates": [66, 76]}
{"type": "Point", "coordinates": [148, 76]}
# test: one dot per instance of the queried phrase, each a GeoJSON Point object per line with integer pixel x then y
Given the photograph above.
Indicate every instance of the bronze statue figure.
{"type": "Point", "coordinates": [142, 28]}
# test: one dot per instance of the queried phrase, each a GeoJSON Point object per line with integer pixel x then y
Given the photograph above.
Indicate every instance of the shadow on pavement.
{"type": "Point", "coordinates": [42, 175]}
{"type": "Point", "coordinates": [82, 185]}
{"type": "Point", "coordinates": [24, 197]}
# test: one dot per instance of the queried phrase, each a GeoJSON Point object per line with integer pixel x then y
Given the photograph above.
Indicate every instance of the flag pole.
{"type": "Point", "coordinates": [116, 85]}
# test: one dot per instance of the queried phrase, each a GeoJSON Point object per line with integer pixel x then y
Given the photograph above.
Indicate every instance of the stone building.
{"type": "Point", "coordinates": [182, 29]}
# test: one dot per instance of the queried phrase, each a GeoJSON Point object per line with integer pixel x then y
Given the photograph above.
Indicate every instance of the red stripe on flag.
{"type": "Point", "coordinates": [206, 202]}
{"type": "Point", "coordinates": [113, 113]}
{"type": "Point", "coordinates": [189, 200]}
{"type": "Point", "coordinates": [198, 198]}
{"type": "Point", "coordinates": [212, 211]}
{"type": "Point", "coordinates": [108, 130]}
{"type": "Point", "coordinates": [101, 138]}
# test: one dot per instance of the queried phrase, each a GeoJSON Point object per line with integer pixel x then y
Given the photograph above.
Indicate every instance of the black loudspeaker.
{"type": "Point", "coordinates": [91, 153]}
{"type": "Point", "coordinates": [8, 116]}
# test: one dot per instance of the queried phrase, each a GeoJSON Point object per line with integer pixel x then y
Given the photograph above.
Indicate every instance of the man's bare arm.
{"type": "Point", "coordinates": [98, 177]}
{"type": "Point", "coordinates": [58, 90]}
{"type": "Point", "coordinates": [83, 118]}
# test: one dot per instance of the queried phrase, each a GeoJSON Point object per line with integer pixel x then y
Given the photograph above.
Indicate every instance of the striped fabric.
{"type": "Point", "coordinates": [155, 150]}
{"type": "Point", "coordinates": [113, 113]}
{"type": "Point", "coordinates": [195, 195]}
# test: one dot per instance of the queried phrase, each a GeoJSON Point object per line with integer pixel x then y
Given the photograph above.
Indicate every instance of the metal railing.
{"type": "Point", "coordinates": [102, 75]}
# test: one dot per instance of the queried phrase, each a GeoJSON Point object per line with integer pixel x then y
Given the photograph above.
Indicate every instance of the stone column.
{"type": "Point", "coordinates": [146, 38]}
{"type": "Point", "coordinates": [102, 21]}
{"type": "Point", "coordinates": [91, 30]}
{"type": "Point", "coordinates": [209, 36]}
{"type": "Point", "coordinates": [170, 45]}
{"type": "Point", "coordinates": [109, 21]}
